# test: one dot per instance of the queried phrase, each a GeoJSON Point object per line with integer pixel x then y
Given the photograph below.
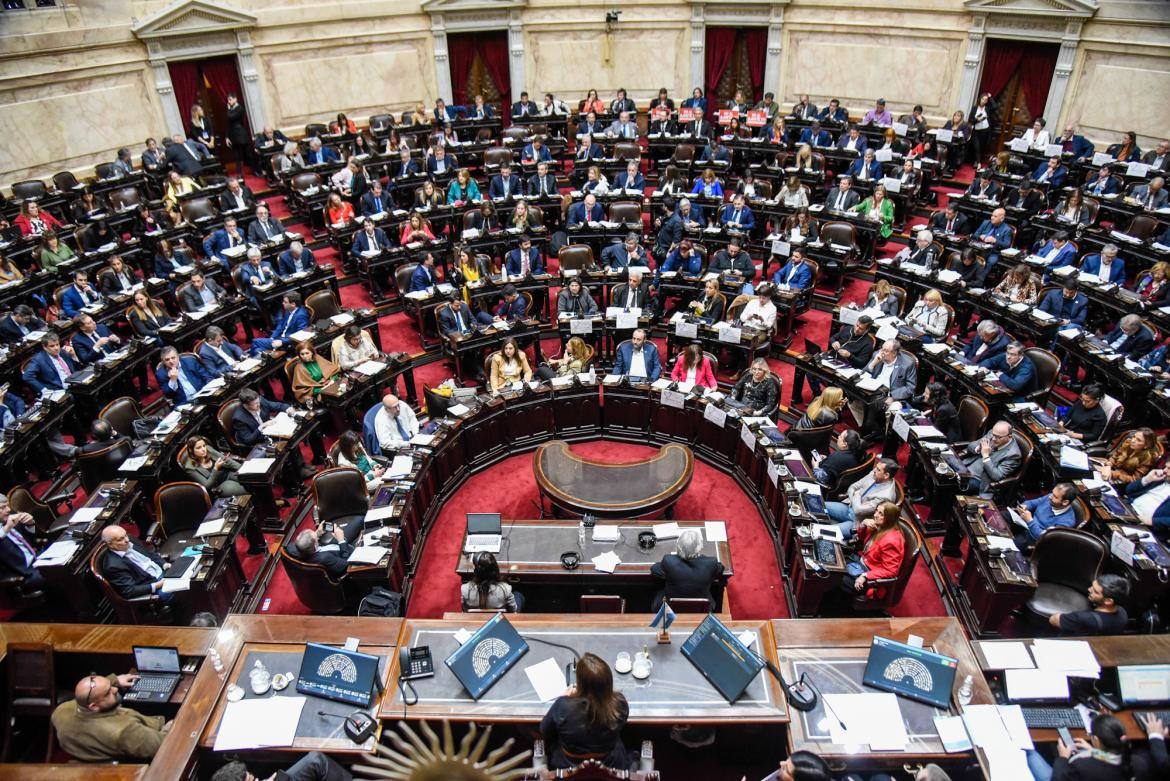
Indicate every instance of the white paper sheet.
{"type": "Point", "coordinates": [1074, 657]}
{"type": "Point", "coordinates": [85, 515]}
{"type": "Point", "coordinates": [548, 679]}
{"type": "Point", "coordinates": [208, 528]}
{"type": "Point", "coordinates": [952, 733]}
{"type": "Point", "coordinates": [399, 467]}
{"type": "Point", "coordinates": [606, 562]}
{"type": "Point", "coordinates": [874, 719]}
{"type": "Point", "coordinates": [1036, 684]}
{"type": "Point", "coordinates": [1072, 458]}
{"type": "Point", "coordinates": [132, 464]}
{"type": "Point", "coordinates": [666, 531]}
{"type": "Point", "coordinates": [1013, 720]}
{"type": "Point", "coordinates": [368, 554]}
{"type": "Point", "coordinates": [256, 466]}
{"type": "Point", "coordinates": [1007, 656]}
{"type": "Point", "coordinates": [175, 585]}
{"type": "Point", "coordinates": [282, 426]}
{"type": "Point", "coordinates": [716, 531]}
{"type": "Point", "coordinates": [606, 533]}
{"type": "Point", "coordinates": [268, 721]}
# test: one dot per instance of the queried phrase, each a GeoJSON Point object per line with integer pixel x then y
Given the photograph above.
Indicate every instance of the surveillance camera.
{"type": "Point", "coordinates": [611, 17]}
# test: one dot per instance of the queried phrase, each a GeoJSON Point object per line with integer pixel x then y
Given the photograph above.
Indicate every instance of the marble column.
{"type": "Point", "coordinates": [772, 59]}
{"type": "Point", "coordinates": [1060, 76]}
{"type": "Point", "coordinates": [973, 62]}
{"type": "Point", "coordinates": [698, 47]}
{"type": "Point", "coordinates": [516, 75]}
{"type": "Point", "coordinates": [166, 91]}
{"type": "Point", "coordinates": [442, 65]}
{"type": "Point", "coordinates": [250, 82]}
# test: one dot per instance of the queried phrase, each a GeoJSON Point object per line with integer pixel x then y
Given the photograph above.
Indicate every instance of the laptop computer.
{"type": "Point", "coordinates": [812, 348]}
{"type": "Point", "coordinates": [484, 533]}
{"type": "Point", "coordinates": [1144, 684]}
{"type": "Point", "coordinates": [724, 661]}
{"type": "Point", "coordinates": [910, 671]}
{"type": "Point", "coordinates": [338, 674]}
{"type": "Point", "coordinates": [158, 674]}
{"type": "Point", "coordinates": [487, 655]}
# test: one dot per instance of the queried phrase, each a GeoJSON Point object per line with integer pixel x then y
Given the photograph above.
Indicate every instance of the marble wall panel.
{"type": "Point", "coordinates": [1114, 94]}
{"type": "Point", "coordinates": [570, 62]}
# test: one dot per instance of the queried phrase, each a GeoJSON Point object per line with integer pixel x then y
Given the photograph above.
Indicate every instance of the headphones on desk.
{"type": "Point", "coordinates": [570, 559]}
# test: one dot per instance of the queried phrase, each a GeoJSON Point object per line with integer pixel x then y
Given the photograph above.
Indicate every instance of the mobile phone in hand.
{"type": "Point", "coordinates": [1066, 738]}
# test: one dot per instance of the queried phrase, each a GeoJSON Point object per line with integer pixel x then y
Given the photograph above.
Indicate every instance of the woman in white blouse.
{"type": "Point", "coordinates": [930, 315]}
{"type": "Point", "coordinates": [1036, 136]}
{"type": "Point", "coordinates": [793, 194]}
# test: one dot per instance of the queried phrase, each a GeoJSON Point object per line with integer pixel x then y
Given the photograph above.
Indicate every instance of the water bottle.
{"type": "Point", "coordinates": [966, 691]}
{"type": "Point", "coordinates": [216, 661]}
{"type": "Point", "coordinates": [581, 535]}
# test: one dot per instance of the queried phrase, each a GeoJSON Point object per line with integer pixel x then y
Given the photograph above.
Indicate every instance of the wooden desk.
{"type": "Point", "coordinates": [530, 553]}
{"type": "Point", "coordinates": [674, 692]}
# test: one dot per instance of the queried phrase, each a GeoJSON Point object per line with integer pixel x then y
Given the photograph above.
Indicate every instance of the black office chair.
{"type": "Point", "coordinates": [1065, 562]}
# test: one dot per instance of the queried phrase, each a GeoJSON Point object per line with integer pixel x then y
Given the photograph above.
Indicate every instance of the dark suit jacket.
{"type": "Point", "coordinates": [335, 563]}
{"type": "Point", "coordinates": [372, 204]}
{"type": "Point", "coordinates": [11, 556]}
{"type": "Point", "coordinates": [40, 374]}
{"type": "Point", "coordinates": [177, 157]}
{"type": "Point", "coordinates": [618, 296]}
{"type": "Point", "coordinates": [127, 579]}
{"type": "Point", "coordinates": [577, 215]}
{"type": "Point", "coordinates": [851, 198]}
{"type": "Point", "coordinates": [72, 302]}
{"type": "Point", "coordinates": [998, 347]}
{"type": "Point", "coordinates": [550, 185]}
{"type": "Point", "coordinates": [227, 201]}
{"type": "Point", "coordinates": [938, 223]}
{"type": "Point", "coordinates": [10, 331]}
{"type": "Point", "coordinates": [1135, 345]}
{"type": "Point", "coordinates": [245, 429]}
{"type": "Point", "coordinates": [110, 283]}
{"type": "Point", "coordinates": [686, 579]}
{"type": "Point", "coordinates": [860, 347]}
{"type": "Point", "coordinates": [513, 261]}
{"type": "Point", "coordinates": [361, 243]}
{"type": "Point", "coordinates": [398, 170]}
{"type": "Point", "coordinates": [447, 324]}
{"type": "Point", "coordinates": [256, 231]}
{"type": "Point", "coordinates": [190, 298]}
{"type": "Point", "coordinates": [615, 256]}
{"type": "Point", "coordinates": [84, 347]}
{"type": "Point", "coordinates": [496, 188]}
{"type": "Point", "coordinates": [215, 365]}
{"type": "Point", "coordinates": [196, 375]}
{"type": "Point", "coordinates": [286, 265]}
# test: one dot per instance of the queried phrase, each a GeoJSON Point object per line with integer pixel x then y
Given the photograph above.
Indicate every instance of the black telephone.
{"type": "Point", "coordinates": [415, 663]}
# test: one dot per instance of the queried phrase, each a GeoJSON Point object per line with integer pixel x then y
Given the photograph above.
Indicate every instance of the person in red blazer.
{"type": "Point", "coordinates": [692, 365]}
{"type": "Point", "coordinates": [32, 221]}
{"type": "Point", "coordinates": [882, 549]}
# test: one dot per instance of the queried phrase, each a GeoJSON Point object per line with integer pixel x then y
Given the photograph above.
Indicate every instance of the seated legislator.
{"type": "Point", "coordinates": [694, 367]}
{"type": "Point", "coordinates": [512, 308]}
{"type": "Point", "coordinates": [1131, 459]}
{"type": "Point", "coordinates": [543, 184]}
{"type": "Point", "coordinates": [709, 306]}
{"type": "Point", "coordinates": [456, 319]}
{"type": "Point", "coordinates": [803, 109]}
{"type": "Point", "coordinates": [638, 359]}
{"type": "Point", "coordinates": [1057, 252]}
{"type": "Point", "coordinates": [313, 766]}
{"type": "Point", "coordinates": [1150, 498]}
{"type": "Point", "coordinates": [395, 424]}
{"type": "Point", "coordinates": [236, 197]}
{"type": "Point", "coordinates": [95, 727]}
{"type": "Point", "coordinates": [295, 259]}
{"type": "Point", "coordinates": [1085, 419]}
{"type": "Point", "coordinates": [18, 547]}
{"type": "Point", "coordinates": [878, 115]}
{"type": "Point", "coordinates": [575, 300]}
{"type": "Point", "coordinates": [1019, 286]}
{"type": "Point", "coordinates": [949, 222]}
{"type": "Point", "coordinates": [118, 279]}
{"type": "Point", "coordinates": [756, 392]}
{"type": "Point", "coordinates": [79, 295]}
{"type": "Point", "coordinates": [1153, 287]}
{"type": "Point", "coordinates": [882, 296]}
{"type": "Point", "coordinates": [375, 201]}
{"type": "Point", "coordinates": [629, 252]}
{"type": "Point", "coordinates": [587, 722]}
{"type": "Point", "coordinates": [417, 229]}
{"type": "Point", "coordinates": [92, 341]}
{"type": "Point", "coordinates": [423, 278]}
{"type": "Point", "coordinates": [823, 410]}
{"type": "Point", "coordinates": [683, 259]}
{"type": "Point", "coordinates": [487, 590]}
{"type": "Point", "coordinates": [524, 107]}
{"type": "Point", "coordinates": [572, 361]}
{"type": "Point", "coordinates": [854, 343]}
{"type": "Point", "coordinates": [882, 550]}
{"type": "Point", "coordinates": [1106, 265]}
{"type": "Point", "coordinates": [311, 373]}
{"type": "Point", "coordinates": [19, 323]}
{"type": "Point", "coordinates": [1104, 183]}
{"type": "Point", "coordinates": [33, 221]}
{"type": "Point", "coordinates": [863, 497]}
{"type": "Point", "coordinates": [760, 312]}
{"type": "Point", "coordinates": [1105, 755]}
{"type": "Point", "coordinates": [834, 112]}
{"type": "Point", "coordinates": [633, 294]}
{"type": "Point", "coordinates": [587, 150]}
{"type": "Point", "coordinates": [463, 188]}
{"type": "Point", "coordinates": [923, 254]}
{"type": "Point", "coordinates": [537, 152]}
{"type": "Point", "coordinates": [50, 366]}
{"type": "Point", "coordinates": [931, 316]}
{"type": "Point", "coordinates": [524, 260]}
{"type": "Point", "coordinates": [1107, 616]}
{"type": "Point", "coordinates": [186, 155]}
{"type": "Point", "coordinates": [852, 141]}
{"type": "Point", "coordinates": [508, 365]}
{"type": "Point", "coordinates": [848, 454]}
{"type": "Point", "coordinates": [895, 370]}
{"type": "Point", "coordinates": [180, 377]}
{"type": "Point", "coordinates": [1051, 173]}
{"type": "Point", "coordinates": [988, 342]}
{"type": "Point", "coordinates": [292, 318]}
{"type": "Point", "coordinates": [842, 197]}
{"type": "Point", "coordinates": [936, 403]}
{"type": "Point", "coordinates": [623, 127]}
{"type": "Point", "coordinates": [505, 184]}
{"type": "Point", "coordinates": [687, 573]}
{"type": "Point", "coordinates": [214, 471]}
{"type": "Point", "coordinates": [254, 272]}
{"type": "Point", "coordinates": [587, 211]}
{"type": "Point", "coordinates": [595, 182]}
{"type": "Point", "coordinates": [320, 547]}
{"type": "Point", "coordinates": [319, 153]}
{"type": "Point", "coordinates": [1042, 513]}
{"type": "Point", "coordinates": [202, 293]}
{"type": "Point", "coordinates": [225, 238]}
{"type": "Point", "coordinates": [353, 348]}
{"type": "Point", "coordinates": [53, 251]}
{"type": "Point", "coordinates": [1066, 304]}
{"type": "Point", "coordinates": [131, 568]}
{"type": "Point", "coordinates": [796, 273]}
{"type": "Point", "coordinates": [735, 264]}
{"type": "Point", "coordinates": [994, 234]}
{"type": "Point", "coordinates": [1073, 143]}
{"type": "Point", "coordinates": [992, 458]}
{"type": "Point", "coordinates": [737, 215]}
{"type": "Point", "coordinates": [793, 194]}
{"type": "Point", "coordinates": [405, 166]}
{"type": "Point", "coordinates": [1128, 150]}
{"type": "Point", "coordinates": [866, 168]}
{"type": "Point", "coordinates": [351, 453]}
{"type": "Point", "coordinates": [1131, 337]}
{"type": "Point", "coordinates": [631, 178]}
{"type": "Point", "coordinates": [1158, 158]}
{"type": "Point", "coordinates": [1015, 369]}
{"type": "Point", "coordinates": [370, 239]}
{"type": "Point", "coordinates": [815, 136]}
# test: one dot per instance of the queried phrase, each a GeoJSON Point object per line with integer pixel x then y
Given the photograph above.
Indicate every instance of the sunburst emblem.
{"type": "Point", "coordinates": [411, 758]}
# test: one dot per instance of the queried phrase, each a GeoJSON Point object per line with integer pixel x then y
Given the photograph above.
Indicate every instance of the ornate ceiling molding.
{"type": "Point", "coordinates": [458, 6]}
{"type": "Point", "coordinates": [1082, 9]}
{"type": "Point", "coordinates": [191, 17]}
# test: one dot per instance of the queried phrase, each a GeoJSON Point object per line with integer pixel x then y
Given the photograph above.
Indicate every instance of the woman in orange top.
{"type": "Point", "coordinates": [417, 229]}
{"type": "Point", "coordinates": [592, 103]}
{"type": "Point", "coordinates": [882, 550]}
{"type": "Point", "coordinates": [343, 125]}
{"type": "Point", "coordinates": [339, 212]}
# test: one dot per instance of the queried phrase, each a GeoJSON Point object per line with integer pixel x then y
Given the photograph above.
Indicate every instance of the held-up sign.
{"type": "Point", "coordinates": [686, 114]}
{"type": "Point", "coordinates": [944, 136]}
{"type": "Point", "coordinates": [757, 118]}
{"type": "Point", "coordinates": [725, 116]}
{"type": "Point", "coordinates": [659, 113]}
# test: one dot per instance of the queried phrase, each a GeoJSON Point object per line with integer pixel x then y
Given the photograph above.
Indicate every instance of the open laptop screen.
{"type": "Point", "coordinates": [149, 659]}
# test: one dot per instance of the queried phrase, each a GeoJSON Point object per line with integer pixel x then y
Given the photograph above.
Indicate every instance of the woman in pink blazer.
{"type": "Point", "coordinates": [882, 549]}
{"type": "Point", "coordinates": [693, 366]}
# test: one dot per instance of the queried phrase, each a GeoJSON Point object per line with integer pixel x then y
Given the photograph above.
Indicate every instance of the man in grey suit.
{"type": "Point", "coordinates": [1151, 195]}
{"type": "Point", "coordinates": [202, 292]}
{"type": "Point", "coordinates": [896, 371]}
{"type": "Point", "coordinates": [992, 458]}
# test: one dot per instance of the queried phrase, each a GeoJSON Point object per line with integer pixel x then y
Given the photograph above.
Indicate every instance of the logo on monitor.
{"type": "Point", "coordinates": [340, 665]}
{"type": "Point", "coordinates": [906, 670]}
{"type": "Point", "coordinates": [489, 649]}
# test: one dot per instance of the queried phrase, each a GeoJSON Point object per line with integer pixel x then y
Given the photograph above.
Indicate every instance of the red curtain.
{"type": "Point", "coordinates": [755, 39]}
{"type": "Point", "coordinates": [222, 77]}
{"type": "Point", "coordinates": [493, 48]}
{"type": "Point", "coordinates": [1036, 68]}
{"type": "Point", "coordinates": [720, 45]}
{"type": "Point", "coordinates": [460, 55]}
{"type": "Point", "coordinates": [185, 80]}
{"type": "Point", "coordinates": [1034, 62]}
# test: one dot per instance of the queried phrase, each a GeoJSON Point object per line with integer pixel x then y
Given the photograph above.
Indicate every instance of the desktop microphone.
{"type": "Point", "coordinates": [801, 696]}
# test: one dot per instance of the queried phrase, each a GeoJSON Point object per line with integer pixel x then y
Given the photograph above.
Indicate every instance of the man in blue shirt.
{"type": "Point", "coordinates": [1044, 512]}
{"type": "Point", "coordinates": [995, 235]}
{"type": "Point", "coordinates": [1015, 369]}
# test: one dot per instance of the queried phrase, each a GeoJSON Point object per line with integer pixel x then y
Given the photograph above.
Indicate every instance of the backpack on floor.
{"type": "Point", "coordinates": [381, 603]}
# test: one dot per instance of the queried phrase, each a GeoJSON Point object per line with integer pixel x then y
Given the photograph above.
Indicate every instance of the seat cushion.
{"type": "Point", "coordinates": [1051, 598]}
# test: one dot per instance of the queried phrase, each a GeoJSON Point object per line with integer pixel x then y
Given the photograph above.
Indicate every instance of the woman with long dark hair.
{"type": "Point", "coordinates": [485, 590]}
{"type": "Point", "coordinates": [587, 721]}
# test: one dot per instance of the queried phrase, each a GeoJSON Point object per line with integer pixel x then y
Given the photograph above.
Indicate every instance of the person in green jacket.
{"type": "Point", "coordinates": [94, 727]}
{"type": "Point", "coordinates": [54, 252]}
{"type": "Point", "coordinates": [878, 207]}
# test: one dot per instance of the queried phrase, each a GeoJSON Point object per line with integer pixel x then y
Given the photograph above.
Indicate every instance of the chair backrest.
{"type": "Point", "coordinates": [839, 233]}
{"type": "Point", "coordinates": [816, 438]}
{"type": "Point", "coordinates": [602, 603]}
{"type": "Point", "coordinates": [593, 770]}
{"type": "Point", "coordinates": [973, 412]}
{"type": "Point", "coordinates": [98, 466]}
{"type": "Point", "coordinates": [1067, 557]}
{"type": "Point", "coordinates": [1142, 226]}
{"type": "Point", "coordinates": [181, 506]}
{"type": "Point", "coordinates": [125, 197]}
{"type": "Point", "coordinates": [851, 476]}
{"type": "Point", "coordinates": [900, 294]}
{"type": "Point", "coordinates": [29, 189]}
{"type": "Point", "coordinates": [737, 305]}
{"type": "Point", "coordinates": [627, 150]}
{"type": "Point", "coordinates": [121, 414]}
{"type": "Point", "coordinates": [369, 434]}
{"type": "Point", "coordinates": [305, 181]}
{"type": "Point", "coordinates": [322, 304]}
{"type": "Point", "coordinates": [515, 134]}
{"type": "Point", "coordinates": [224, 415]}
{"type": "Point", "coordinates": [31, 676]}
{"type": "Point", "coordinates": [402, 278]}
{"type": "Point", "coordinates": [689, 604]}
{"type": "Point", "coordinates": [497, 155]}
{"type": "Point", "coordinates": [763, 188]}
{"type": "Point", "coordinates": [316, 129]}
{"type": "Point", "coordinates": [64, 181]}
{"type": "Point", "coordinates": [21, 500]}
{"type": "Point", "coordinates": [380, 123]}
{"type": "Point", "coordinates": [575, 256]}
{"type": "Point", "coordinates": [312, 585]}
{"type": "Point", "coordinates": [197, 208]}
{"type": "Point", "coordinates": [340, 492]}
{"type": "Point", "coordinates": [1047, 370]}
{"type": "Point", "coordinates": [625, 212]}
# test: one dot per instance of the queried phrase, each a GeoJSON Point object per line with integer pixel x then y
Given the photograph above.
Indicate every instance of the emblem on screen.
{"type": "Point", "coordinates": [340, 665]}
{"type": "Point", "coordinates": [490, 648]}
{"type": "Point", "coordinates": [906, 670]}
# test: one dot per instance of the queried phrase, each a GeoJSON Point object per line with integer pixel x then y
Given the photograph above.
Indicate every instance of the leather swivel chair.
{"type": "Point", "coordinates": [100, 465]}
{"type": "Point", "coordinates": [179, 507]}
{"type": "Point", "coordinates": [146, 609]}
{"type": "Point", "coordinates": [973, 413]}
{"type": "Point", "coordinates": [341, 498]}
{"type": "Point", "coordinates": [313, 586]}
{"type": "Point", "coordinates": [888, 591]}
{"type": "Point", "coordinates": [1065, 562]}
{"type": "Point", "coordinates": [575, 257]}
{"type": "Point", "coordinates": [31, 690]}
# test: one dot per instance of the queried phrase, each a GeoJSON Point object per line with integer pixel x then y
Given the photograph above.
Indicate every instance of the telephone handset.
{"type": "Point", "coordinates": [415, 663]}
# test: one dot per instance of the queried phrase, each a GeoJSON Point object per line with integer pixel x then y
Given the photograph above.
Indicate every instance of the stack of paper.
{"type": "Point", "coordinates": [283, 426]}
{"type": "Point", "coordinates": [606, 562]}
{"type": "Point", "coordinates": [666, 531]}
{"type": "Point", "coordinates": [369, 368]}
{"type": "Point", "coordinates": [132, 464]}
{"type": "Point", "coordinates": [716, 531]}
{"type": "Point", "coordinates": [57, 553]}
{"type": "Point", "coordinates": [85, 515]}
{"type": "Point", "coordinates": [399, 467]}
{"type": "Point", "coordinates": [873, 719]}
{"type": "Point", "coordinates": [258, 723]}
{"type": "Point", "coordinates": [368, 554]}
{"type": "Point", "coordinates": [422, 440]}
{"type": "Point", "coordinates": [606, 533]}
{"type": "Point", "coordinates": [256, 466]}
{"type": "Point", "coordinates": [1072, 657]}
{"type": "Point", "coordinates": [458, 410]}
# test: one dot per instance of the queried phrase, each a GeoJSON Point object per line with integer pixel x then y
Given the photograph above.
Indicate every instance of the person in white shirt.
{"type": "Point", "coordinates": [353, 348]}
{"type": "Point", "coordinates": [760, 312]}
{"type": "Point", "coordinates": [1036, 136]}
{"type": "Point", "coordinates": [930, 315]}
{"type": "Point", "coordinates": [395, 423]}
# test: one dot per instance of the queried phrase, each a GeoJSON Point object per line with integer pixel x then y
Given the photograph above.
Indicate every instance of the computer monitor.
{"type": "Point", "coordinates": [487, 655]}
{"type": "Point", "coordinates": [724, 661]}
{"type": "Point", "coordinates": [910, 671]}
{"type": "Point", "coordinates": [1144, 684]}
{"type": "Point", "coordinates": [149, 659]}
{"type": "Point", "coordinates": [484, 523]}
{"type": "Point", "coordinates": [338, 674]}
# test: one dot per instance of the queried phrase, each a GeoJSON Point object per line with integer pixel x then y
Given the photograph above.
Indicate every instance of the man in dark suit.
{"type": "Point", "coordinates": [49, 368]}
{"type": "Point", "coordinates": [1076, 145]}
{"type": "Point", "coordinates": [444, 113]}
{"type": "Point", "coordinates": [524, 260]}
{"type": "Point", "coordinates": [255, 272]}
{"type": "Point", "coordinates": [687, 573]}
{"type": "Point", "coordinates": [629, 252]}
{"type": "Point", "coordinates": [505, 184]}
{"type": "Point", "coordinates": [948, 221]}
{"type": "Point", "coordinates": [853, 140]}
{"type": "Point", "coordinates": [265, 227]}
{"type": "Point", "coordinates": [1151, 195]}
{"type": "Point", "coordinates": [630, 179]}
{"type": "Point", "coordinates": [1104, 183]}
{"type": "Point", "coordinates": [1150, 497]}
{"type": "Point", "coordinates": [587, 150]}
{"type": "Point", "coordinates": [588, 210]}
{"type": "Point", "coordinates": [524, 107]}
{"type": "Point", "coordinates": [922, 253]}
{"type": "Point", "coordinates": [130, 567]}
{"type": "Point", "coordinates": [1066, 304]}
{"type": "Point", "coordinates": [715, 152]}
{"type": "Point", "coordinates": [623, 127]}
{"type": "Point", "coordinates": [995, 235]}
{"type": "Point", "coordinates": [1131, 337]}
{"type": "Point", "coordinates": [406, 165]}
{"type": "Point", "coordinates": [423, 278]}
{"type": "Point", "coordinates": [536, 152]}
{"type": "Point", "coordinates": [226, 237]}
{"type": "Point", "coordinates": [1158, 159]}
{"type": "Point", "coordinates": [18, 548]}
{"type": "Point", "coordinates": [375, 201]}
{"type": "Point", "coordinates": [834, 113]}
{"type": "Point", "coordinates": [18, 323]}
{"type": "Point", "coordinates": [804, 108]}
{"type": "Point", "coordinates": [370, 238]}
{"type": "Point", "coordinates": [117, 279]}
{"type": "Point", "coordinates": [1026, 198]}
{"type": "Point", "coordinates": [455, 319]}
{"type": "Point", "coordinates": [295, 259]}
{"type": "Point", "coordinates": [1015, 370]}
{"type": "Point", "coordinates": [79, 295]}
{"type": "Point", "coordinates": [1051, 173]}
{"type": "Point", "coordinates": [319, 153]}
{"type": "Point", "coordinates": [814, 136]}
{"type": "Point", "coordinates": [511, 307]}
{"type": "Point", "coordinates": [236, 197]}
{"type": "Point", "coordinates": [441, 163]}
{"type": "Point", "coordinates": [842, 197]}
{"type": "Point", "coordinates": [736, 264]}
{"type": "Point", "coordinates": [480, 110]}
{"type": "Point", "coordinates": [103, 436]}
{"type": "Point", "coordinates": [737, 215]}
{"type": "Point", "coordinates": [92, 341]}
{"type": "Point", "coordinates": [293, 317]}
{"type": "Point", "coordinates": [988, 342]}
{"type": "Point", "coordinates": [248, 430]}
{"type": "Point", "coordinates": [854, 343]}
{"type": "Point", "coordinates": [633, 294]}
{"type": "Point", "coordinates": [865, 168]}
{"type": "Point", "coordinates": [589, 126]}
{"type": "Point", "coordinates": [186, 155]}
{"type": "Point", "coordinates": [673, 229]}
{"type": "Point", "coordinates": [202, 292]}
{"type": "Point", "coordinates": [543, 183]}
{"type": "Point", "coordinates": [699, 127]}
{"type": "Point", "coordinates": [320, 547]}
{"type": "Point", "coordinates": [983, 186]}
{"type": "Point", "coordinates": [180, 377]}
{"type": "Point", "coordinates": [218, 355]}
